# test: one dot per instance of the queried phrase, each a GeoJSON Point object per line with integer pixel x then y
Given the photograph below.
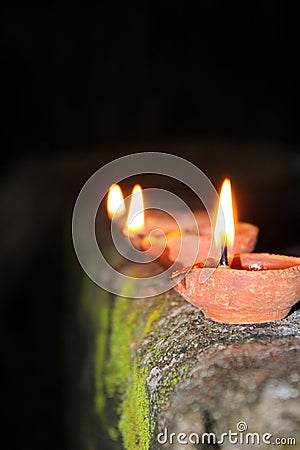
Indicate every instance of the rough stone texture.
{"type": "Point", "coordinates": [236, 373]}
{"type": "Point", "coordinates": [166, 367]}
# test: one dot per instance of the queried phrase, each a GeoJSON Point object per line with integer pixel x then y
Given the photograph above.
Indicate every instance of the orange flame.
{"type": "Point", "coordinates": [136, 216]}
{"type": "Point", "coordinates": [224, 229]}
{"type": "Point", "coordinates": [115, 202]}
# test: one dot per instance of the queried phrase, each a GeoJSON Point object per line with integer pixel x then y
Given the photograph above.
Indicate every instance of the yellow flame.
{"type": "Point", "coordinates": [115, 201]}
{"type": "Point", "coordinates": [136, 216]}
{"type": "Point", "coordinates": [224, 229]}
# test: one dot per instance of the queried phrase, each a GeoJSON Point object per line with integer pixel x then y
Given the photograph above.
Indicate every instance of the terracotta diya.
{"type": "Point", "coordinates": [185, 247]}
{"type": "Point", "coordinates": [187, 241]}
{"type": "Point", "coordinates": [188, 248]}
{"type": "Point", "coordinates": [256, 288]}
{"type": "Point", "coordinates": [246, 288]}
{"type": "Point", "coordinates": [143, 222]}
{"type": "Point", "coordinates": [183, 238]}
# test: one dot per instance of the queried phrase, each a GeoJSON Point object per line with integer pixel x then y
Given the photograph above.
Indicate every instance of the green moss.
{"type": "Point", "coordinates": [90, 301]}
{"type": "Point", "coordinates": [169, 385]}
{"type": "Point", "coordinates": [120, 325]}
{"type": "Point", "coordinates": [122, 332]}
{"type": "Point", "coordinates": [113, 433]}
{"type": "Point", "coordinates": [100, 352]}
{"type": "Point", "coordinates": [134, 424]}
{"type": "Point", "coordinates": [162, 394]}
{"type": "Point", "coordinates": [153, 317]}
{"type": "Point", "coordinates": [96, 303]}
{"type": "Point", "coordinates": [127, 331]}
{"type": "Point", "coordinates": [131, 321]}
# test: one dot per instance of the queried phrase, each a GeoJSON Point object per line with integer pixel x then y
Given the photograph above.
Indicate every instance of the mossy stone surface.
{"type": "Point", "coordinates": [159, 364]}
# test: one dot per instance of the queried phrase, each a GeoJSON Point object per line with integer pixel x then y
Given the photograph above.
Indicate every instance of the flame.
{"type": "Point", "coordinates": [115, 201]}
{"type": "Point", "coordinates": [136, 216]}
{"type": "Point", "coordinates": [224, 229]}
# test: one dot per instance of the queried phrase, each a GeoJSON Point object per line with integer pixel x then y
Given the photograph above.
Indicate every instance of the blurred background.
{"type": "Point", "coordinates": [80, 87]}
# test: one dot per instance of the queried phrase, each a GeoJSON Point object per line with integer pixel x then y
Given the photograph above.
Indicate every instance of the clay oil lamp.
{"type": "Point", "coordinates": [182, 237]}
{"type": "Point", "coordinates": [185, 245]}
{"type": "Point", "coordinates": [148, 229]}
{"type": "Point", "coordinates": [180, 247]}
{"type": "Point", "coordinates": [240, 288]}
{"type": "Point", "coordinates": [157, 222]}
{"type": "Point", "coordinates": [143, 222]}
{"type": "Point", "coordinates": [136, 226]}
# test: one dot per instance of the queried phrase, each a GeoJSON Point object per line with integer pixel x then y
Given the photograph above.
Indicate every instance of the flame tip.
{"type": "Point", "coordinates": [115, 201]}
{"type": "Point", "coordinates": [136, 215]}
{"type": "Point", "coordinates": [224, 229]}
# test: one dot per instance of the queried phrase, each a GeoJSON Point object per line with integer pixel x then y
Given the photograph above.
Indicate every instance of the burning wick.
{"type": "Point", "coordinates": [224, 257]}
{"type": "Point", "coordinates": [224, 229]}
{"type": "Point", "coordinates": [115, 202]}
{"type": "Point", "coordinates": [136, 216]}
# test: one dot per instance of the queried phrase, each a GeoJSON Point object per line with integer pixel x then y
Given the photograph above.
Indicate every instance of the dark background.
{"type": "Point", "coordinates": [83, 86]}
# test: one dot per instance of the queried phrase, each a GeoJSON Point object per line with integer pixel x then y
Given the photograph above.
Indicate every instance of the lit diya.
{"type": "Point", "coordinates": [181, 237]}
{"type": "Point", "coordinates": [240, 288]}
{"type": "Point", "coordinates": [181, 246]}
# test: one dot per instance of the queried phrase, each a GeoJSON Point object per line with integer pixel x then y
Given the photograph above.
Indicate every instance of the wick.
{"type": "Point", "coordinates": [224, 258]}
